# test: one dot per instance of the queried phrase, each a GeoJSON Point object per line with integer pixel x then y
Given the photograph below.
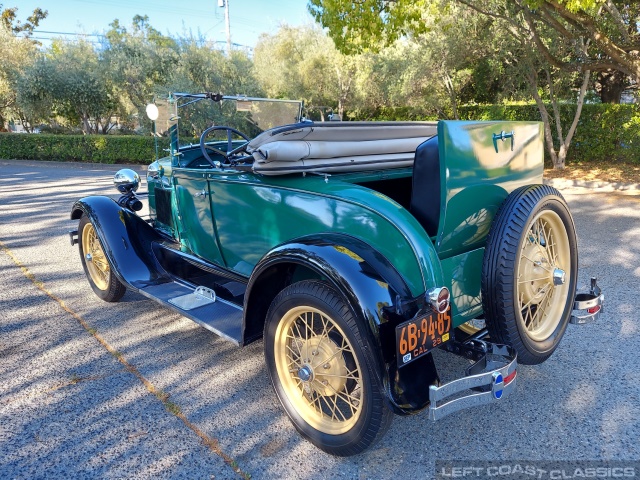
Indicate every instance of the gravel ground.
{"type": "Point", "coordinates": [132, 390]}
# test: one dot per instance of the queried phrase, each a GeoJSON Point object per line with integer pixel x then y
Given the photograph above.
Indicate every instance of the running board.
{"type": "Point", "coordinates": [219, 316]}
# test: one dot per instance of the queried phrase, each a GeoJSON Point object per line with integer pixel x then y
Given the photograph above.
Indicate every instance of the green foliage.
{"type": "Point", "coordinates": [606, 132]}
{"type": "Point", "coordinates": [69, 82]}
{"type": "Point", "coordinates": [80, 148]}
{"type": "Point", "coordinates": [8, 19]}
{"type": "Point", "coordinates": [368, 24]}
{"type": "Point", "coordinates": [16, 54]}
{"type": "Point", "coordinates": [303, 63]}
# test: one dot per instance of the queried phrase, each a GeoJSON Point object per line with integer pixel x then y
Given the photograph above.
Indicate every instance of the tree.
{"type": "Point", "coordinates": [69, 81]}
{"type": "Point", "coordinates": [303, 63]}
{"type": "Point", "coordinates": [612, 26]}
{"type": "Point", "coordinates": [12, 24]}
{"type": "Point", "coordinates": [137, 58]}
{"type": "Point", "coordinates": [612, 29]}
{"type": "Point", "coordinates": [562, 36]}
{"type": "Point", "coordinates": [16, 54]}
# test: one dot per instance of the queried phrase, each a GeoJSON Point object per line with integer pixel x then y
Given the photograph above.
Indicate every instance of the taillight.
{"type": "Point", "coordinates": [439, 298]}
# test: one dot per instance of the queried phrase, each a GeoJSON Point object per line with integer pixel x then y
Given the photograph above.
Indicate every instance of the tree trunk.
{"type": "Point", "coordinates": [610, 85]}
{"type": "Point", "coordinates": [86, 128]}
{"type": "Point", "coordinates": [448, 83]}
{"type": "Point", "coordinates": [558, 158]}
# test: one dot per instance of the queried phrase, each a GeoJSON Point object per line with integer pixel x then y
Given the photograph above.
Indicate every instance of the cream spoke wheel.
{"type": "Point", "coordinates": [96, 262]}
{"type": "Point", "coordinates": [315, 352]}
{"type": "Point", "coordinates": [545, 250]}
{"type": "Point", "coordinates": [96, 266]}
{"type": "Point", "coordinates": [319, 370]}
{"type": "Point", "coordinates": [529, 272]}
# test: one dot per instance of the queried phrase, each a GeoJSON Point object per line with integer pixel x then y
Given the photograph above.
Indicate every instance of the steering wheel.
{"type": "Point", "coordinates": [230, 150]}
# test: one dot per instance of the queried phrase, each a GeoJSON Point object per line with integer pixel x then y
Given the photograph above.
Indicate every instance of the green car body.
{"type": "Point", "coordinates": [414, 244]}
{"type": "Point", "coordinates": [245, 215]}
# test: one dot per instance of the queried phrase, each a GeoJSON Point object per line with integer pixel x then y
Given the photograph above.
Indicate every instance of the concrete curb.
{"type": "Point", "coordinates": [593, 184]}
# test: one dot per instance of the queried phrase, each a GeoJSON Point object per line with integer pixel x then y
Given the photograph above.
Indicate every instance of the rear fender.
{"type": "Point", "coordinates": [377, 295]}
{"type": "Point", "coordinates": [125, 238]}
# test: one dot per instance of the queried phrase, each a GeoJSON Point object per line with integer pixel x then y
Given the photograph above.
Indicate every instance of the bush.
{"type": "Point", "coordinates": [80, 148]}
{"type": "Point", "coordinates": [606, 132]}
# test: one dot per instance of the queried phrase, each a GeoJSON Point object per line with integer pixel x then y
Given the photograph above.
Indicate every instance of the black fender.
{"type": "Point", "coordinates": [125, 238]}
{"type": "Point", "coordinates": [378, 296]}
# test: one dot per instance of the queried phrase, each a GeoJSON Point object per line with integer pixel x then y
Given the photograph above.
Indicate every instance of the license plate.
{"type": "Point", "coordinates": [419, 336]}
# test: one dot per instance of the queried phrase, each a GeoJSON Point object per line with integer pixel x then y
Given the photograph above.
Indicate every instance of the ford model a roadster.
{"type": "Point", "coordinates": [353, 249]}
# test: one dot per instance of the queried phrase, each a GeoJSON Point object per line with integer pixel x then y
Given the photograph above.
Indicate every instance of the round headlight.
{"type": "Point", "coordinates": [126, 180]}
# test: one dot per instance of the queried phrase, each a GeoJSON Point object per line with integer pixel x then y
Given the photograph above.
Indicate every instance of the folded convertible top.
{"type": "Point", "coordinates": [338, 146]}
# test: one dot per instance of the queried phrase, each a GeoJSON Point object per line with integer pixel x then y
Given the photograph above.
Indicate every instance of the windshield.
{"type": "Point", "coordinates": [185, 116]}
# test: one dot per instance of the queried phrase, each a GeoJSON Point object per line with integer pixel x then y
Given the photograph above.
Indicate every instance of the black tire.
{"type": "Point", "coordinates": [99, 272]}
{"type": "Point", "coordinates": [532, 236]}
{"type": "Point", "coordinates": [340, 414]}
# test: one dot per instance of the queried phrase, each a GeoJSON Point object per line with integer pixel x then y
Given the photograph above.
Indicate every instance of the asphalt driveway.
{"type": "Point", "coordinates": [132, 390]}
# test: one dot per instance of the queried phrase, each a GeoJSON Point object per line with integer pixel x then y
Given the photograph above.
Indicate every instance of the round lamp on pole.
{"type": "Point", "coordinates": [152, 113]}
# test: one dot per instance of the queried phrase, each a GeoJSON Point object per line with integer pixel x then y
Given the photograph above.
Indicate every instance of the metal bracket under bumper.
{"type": "Point", "coordinates": [592, 302]}
{"type": "Point", "coordinates": [491, 378]}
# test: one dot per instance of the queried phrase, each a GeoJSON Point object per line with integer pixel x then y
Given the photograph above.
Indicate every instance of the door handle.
{"type": "Point", "coordinates": [503, 136]}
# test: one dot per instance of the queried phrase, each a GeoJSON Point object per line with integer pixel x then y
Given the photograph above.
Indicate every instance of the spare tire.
{"type": "Point", "coordinates": [529, 272]}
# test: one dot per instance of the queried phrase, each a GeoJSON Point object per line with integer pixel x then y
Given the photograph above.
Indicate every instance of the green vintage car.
{"type": "Point", "coordinates": [353, 249]}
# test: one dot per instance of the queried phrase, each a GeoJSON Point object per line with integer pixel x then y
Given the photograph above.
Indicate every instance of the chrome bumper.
{"type": "Point", "coordinates": [491, 378]}
{"type": "Point", "coordinates": [592, 302]}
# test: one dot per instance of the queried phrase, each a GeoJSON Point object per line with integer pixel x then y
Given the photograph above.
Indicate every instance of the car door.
{"type": "Point", "coordinates": [195, 217]}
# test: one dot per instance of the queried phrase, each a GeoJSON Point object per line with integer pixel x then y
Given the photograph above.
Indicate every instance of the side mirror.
{"type": "Point", "coordinates": [126, 181]}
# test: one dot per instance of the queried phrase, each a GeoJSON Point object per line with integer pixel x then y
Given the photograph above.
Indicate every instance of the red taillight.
{"type": "Point", "coordinates": [509, 378]}
{"type": "Point", "coordinates": [595, 309]}
{"type": "Point", "coordinates": [439, 299]}
{"type": "Point", "coordinates": [443, 300]}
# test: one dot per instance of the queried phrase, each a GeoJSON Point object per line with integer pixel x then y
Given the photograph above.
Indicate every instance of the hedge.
{"type": "Point", "coordinates": [81, 148]}
{"type": "Point", "coordinates": [606, 132]}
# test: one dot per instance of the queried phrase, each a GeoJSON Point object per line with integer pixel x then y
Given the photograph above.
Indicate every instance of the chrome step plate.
{"type": "Point", "coordinates": [200, 297]}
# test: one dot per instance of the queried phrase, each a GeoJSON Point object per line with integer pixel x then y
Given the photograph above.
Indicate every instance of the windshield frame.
{"type": "Point", "coordinates": [178, 100]}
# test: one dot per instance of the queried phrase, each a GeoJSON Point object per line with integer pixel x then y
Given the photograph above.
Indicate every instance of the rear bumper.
{"type": "Point", "coordinates": [489, 380]}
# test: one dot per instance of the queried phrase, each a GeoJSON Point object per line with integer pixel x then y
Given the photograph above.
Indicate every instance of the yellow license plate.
{"type": "Point", "coordinates": [419, 336]}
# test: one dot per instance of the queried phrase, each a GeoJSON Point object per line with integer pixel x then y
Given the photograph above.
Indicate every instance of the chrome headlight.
{"type": "Point", "coordinates": [126, 181]}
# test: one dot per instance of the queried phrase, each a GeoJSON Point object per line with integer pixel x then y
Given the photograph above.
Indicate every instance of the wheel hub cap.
{"type": "Point", "coordinates": [305, 374]}
{"type": "Point", "coordinates": [558, 277]}
{"type": "Point", "coordinates": [325, 365]}
{"type": "Point", "coordinates": [537, 271]}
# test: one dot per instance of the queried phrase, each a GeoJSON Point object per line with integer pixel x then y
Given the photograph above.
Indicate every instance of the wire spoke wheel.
{"type": "Point", "coordinates": [544, 252]}
{"type": "Point", "coordinates": [529, 273]}
{"type": "Point", "coordinates": [314, 350]}
{"type": "Point", "coordinates": [96, 262]}
{"type": "Point", "coordinates": [319, 370]}
{"type": "Point", "coordinates": [96, 265]}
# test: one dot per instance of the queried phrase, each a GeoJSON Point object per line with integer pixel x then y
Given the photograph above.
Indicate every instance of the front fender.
{"type": "Point", "coordinates": [125, 238]}
{"type": "Point", "coordinates": [378, 296]}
